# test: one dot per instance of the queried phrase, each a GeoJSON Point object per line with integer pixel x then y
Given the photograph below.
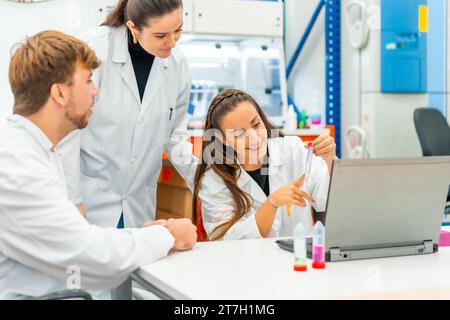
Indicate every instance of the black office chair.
{"type": "Point", "coordinates": [433, 131]}
{"type": "Point", "coordinates": [434, 135]}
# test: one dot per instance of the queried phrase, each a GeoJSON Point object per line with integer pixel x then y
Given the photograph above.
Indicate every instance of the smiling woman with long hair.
{"type": "Point", "coordinates": [250, 180]}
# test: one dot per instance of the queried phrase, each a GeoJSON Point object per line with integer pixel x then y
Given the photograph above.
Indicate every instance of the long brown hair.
{"type": "Point", "coordinates": [140, 11]}
{"type": "Point", "coordinates": [216, 156]}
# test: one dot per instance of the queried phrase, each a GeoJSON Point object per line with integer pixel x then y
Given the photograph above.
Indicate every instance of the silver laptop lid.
{"type": "Point", "coordinates": [379, 203]}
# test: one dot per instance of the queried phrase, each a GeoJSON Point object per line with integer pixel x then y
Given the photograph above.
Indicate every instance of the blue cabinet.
{"type": "Point", "coordinates": [404, 46]}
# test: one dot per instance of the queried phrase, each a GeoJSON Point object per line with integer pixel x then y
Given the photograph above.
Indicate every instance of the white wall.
{"type": "Point", "coordinates": [18, 20]}
{"type": "Point", "coordinates": [309, 74]}
{"type": "Point", "coordinates": [307, 80]}
{"type": "Point", "coordinates": [350, 83]}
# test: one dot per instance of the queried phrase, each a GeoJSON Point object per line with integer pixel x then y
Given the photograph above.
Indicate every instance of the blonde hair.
{"type": "Point", "coordinates": [47, 58]}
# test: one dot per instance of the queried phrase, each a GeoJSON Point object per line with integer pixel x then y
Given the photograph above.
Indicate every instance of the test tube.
{"type": "Point", "coordinates": [309, 158]}
{"type": "Point", "coordinates": [318, 246]}
{"type": "Point", "coordinates": [300, 248]}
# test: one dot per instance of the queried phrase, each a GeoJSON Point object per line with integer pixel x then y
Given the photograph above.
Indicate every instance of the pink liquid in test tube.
{"type": "Point", "coordinates": [318, 253]}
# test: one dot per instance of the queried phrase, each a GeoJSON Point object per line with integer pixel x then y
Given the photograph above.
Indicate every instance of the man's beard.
{"type": "Point", "coordinates": [78, 121]}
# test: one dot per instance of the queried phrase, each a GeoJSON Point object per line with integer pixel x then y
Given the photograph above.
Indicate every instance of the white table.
{"type": "Point", "coordinates": [258, 269]}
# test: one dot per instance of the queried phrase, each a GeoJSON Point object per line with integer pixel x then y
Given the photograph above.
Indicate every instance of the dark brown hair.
{"type": "Point", "coordinates": [213, 149]}
{"type": "Point", "coordinates": [140, 11]}
{"type": "Point", "coordinates": [42, 60]}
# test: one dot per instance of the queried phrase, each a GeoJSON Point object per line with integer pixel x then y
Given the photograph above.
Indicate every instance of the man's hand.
{"type": "Point", "coordinates": [184, 232]}
{"type": "Point", "coordinates": [160, 222]}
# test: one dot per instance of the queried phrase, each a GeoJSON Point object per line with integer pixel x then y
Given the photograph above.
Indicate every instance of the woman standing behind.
{"type": "Point", "coordinates": [144, 86]}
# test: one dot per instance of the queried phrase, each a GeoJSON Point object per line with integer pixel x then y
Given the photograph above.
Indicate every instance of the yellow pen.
{"type": "Point", "coordinates": [288, 209]}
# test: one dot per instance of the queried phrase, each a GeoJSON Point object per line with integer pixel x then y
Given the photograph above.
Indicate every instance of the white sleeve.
{"type": "Point", "coordinates": [179, 149]}
{"type": "Point", "coordinates": [218, 207]}
{"type": "Point", "coordinates": [41, 229]}
{"type": "Point", "coordinates": [69, 151]}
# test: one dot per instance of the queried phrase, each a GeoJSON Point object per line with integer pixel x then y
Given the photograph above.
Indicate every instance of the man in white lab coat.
{"type": "Point", "coordinates": [45, 243]}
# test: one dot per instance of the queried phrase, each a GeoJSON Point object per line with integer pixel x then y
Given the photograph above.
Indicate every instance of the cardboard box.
{"type": "Point", "coordinates": [173, 197]}
{"type": "Point", "coordinates": [169, 176]}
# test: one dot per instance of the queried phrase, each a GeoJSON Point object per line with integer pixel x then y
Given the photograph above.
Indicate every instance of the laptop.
{"type": "Point", "coordinates": [380, 208]}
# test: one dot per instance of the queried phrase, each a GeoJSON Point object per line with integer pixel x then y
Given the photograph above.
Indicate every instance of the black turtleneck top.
{"type": "Point", "coordinates": [142, 63]}
{"type": "Point", "coordinates": [261, 177]}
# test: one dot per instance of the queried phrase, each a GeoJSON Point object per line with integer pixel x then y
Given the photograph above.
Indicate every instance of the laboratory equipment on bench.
{"type": "Point", "coordinates": [238, 55]}
{"type": "Point", "coordinates": [202, 93]}
{"type": "Point", "coordinates": [291, 122]}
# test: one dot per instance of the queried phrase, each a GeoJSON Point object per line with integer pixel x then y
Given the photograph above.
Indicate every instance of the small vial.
{"type": "Point", "coordinates": [300, 248]}
{"type": "Point", "coordinates": [318, 246]}
{"type": "Point", "coordinates": [309, 158]}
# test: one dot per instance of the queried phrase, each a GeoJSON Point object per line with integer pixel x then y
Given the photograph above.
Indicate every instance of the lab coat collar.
{"type": "Point", "coordinates": [275, 160]}
{"type": "Point", "coordinates": [157, 76]}
{"type": "Point", "coordinates": [246, 183]}
{"type": "Point", "coordinates": [120, 45]}
{"type": "Point", "coordinates": [33, 130]}
{"type": "Point", "coordinates": [129, 78]}
{"type": "Point", "coordinates": [120, 48]}
{"type": "Point", "coordinates": [276, 156]}
{"type": "Point", "coordinates": [121, 55]}
{"type": "Point", "coordinates": [244, 179]}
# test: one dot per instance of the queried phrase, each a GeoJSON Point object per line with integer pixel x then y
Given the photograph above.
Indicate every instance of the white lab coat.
{"type": "Point", "coordinates": [121, 148]}
{"type": "Point", "coordinates": [286, 163]}
{"type": "Point", "coordinates": [45, 244]}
